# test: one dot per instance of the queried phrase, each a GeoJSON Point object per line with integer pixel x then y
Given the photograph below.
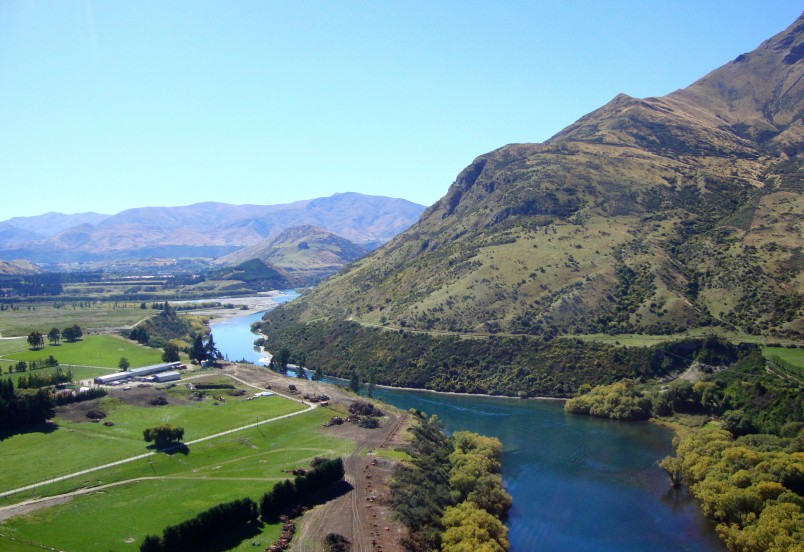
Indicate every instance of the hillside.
{"type": "Point", "coordinates": [16, 268]}
{"type": "Point", "coordinates": [255, 275]}
{"type": "Point", "coordinates": [200, 230]}
{"type": "Point", "coordinates": [647, 215]}
{"type": "Point", "coordinates": [307, 253]}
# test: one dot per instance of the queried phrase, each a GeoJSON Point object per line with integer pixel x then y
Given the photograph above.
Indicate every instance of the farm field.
{"type": "Point", "coordinates": [82, 444]}
{"type": "Point", "coordinates": [180, 486]}
{"type": "Point", "coordinates": [90, 316]}
{"type": "Point", "coordinates": [94, 350]}
{"type": "Point", "coordinates": [793, 356]}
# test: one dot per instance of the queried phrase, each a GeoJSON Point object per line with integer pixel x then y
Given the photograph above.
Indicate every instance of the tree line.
{"type": "Point", "coordinates": [36, 339]}
{"type": "Point", "coordinates": [513, 366]}
{"type": "Point", "coordinates": [19, 410]}
{"type": "Point", "coordinates": [746, 466]}
{"type": "Point", "coordinates": [751, 486]}
{"type": "Point", "coordinates": [29, 409]}
{"type": "Point", "coordinates": [210, 525]}
{"type": "Point", "coordinates": [450, 495]}
{"type": "Point", "coordinates": [743, 396]}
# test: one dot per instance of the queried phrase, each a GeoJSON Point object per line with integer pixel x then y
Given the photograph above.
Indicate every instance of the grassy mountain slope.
{"type": "Point", "coordinates": [16, 268]}
{"type": "Point", "coordinates": [255, 275]}
{"type": "Point", "coordinates": [647, 215]}
{"type": "Point", "coordinates": [307, 253]}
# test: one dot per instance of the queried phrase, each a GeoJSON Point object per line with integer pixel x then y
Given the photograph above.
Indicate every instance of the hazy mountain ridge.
{"type": "Point", "coordinates": [52, 223]}
{"type": "Point", "coordinates": [646, 215]}
{"type": "Point", "coordinates": [209, 229]}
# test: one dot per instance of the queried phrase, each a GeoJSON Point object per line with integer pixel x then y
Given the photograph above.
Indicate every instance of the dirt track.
{"type": "Point", "coordinates": [361, 514]}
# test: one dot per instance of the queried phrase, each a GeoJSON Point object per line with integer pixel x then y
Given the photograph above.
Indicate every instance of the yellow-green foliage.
{"type": "Point", "coordinates": [621, 401]}
{"type": "Point", "coordinates": [470, 528]}
{"type": "Point", "coordinates": [475, 473]}
{"type": "Point", "coordinates": [751, 486]}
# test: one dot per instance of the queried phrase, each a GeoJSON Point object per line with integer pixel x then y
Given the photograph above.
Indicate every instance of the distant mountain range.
{"type": "Point", "coordinates": [200, 230]}
{"type": "Point", "coordinates": [647, 215]}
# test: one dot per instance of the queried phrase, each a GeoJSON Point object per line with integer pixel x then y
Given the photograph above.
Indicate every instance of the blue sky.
{"type": "Point", "coordinates": [117, 104]}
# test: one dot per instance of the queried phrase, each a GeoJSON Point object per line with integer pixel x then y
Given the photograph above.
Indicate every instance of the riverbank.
{"type": "Point", "coordinates": [596, 469]}
{"type": "Point", "coordinates": [457, 394]}
{"type": "Point", "coordinates": [244, 306]}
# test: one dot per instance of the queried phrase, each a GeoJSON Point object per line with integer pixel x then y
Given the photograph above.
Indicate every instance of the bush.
{"type": "Point", "coordinates": [369, 423]}
{"type": "Point", "coordinates": [336, 542]}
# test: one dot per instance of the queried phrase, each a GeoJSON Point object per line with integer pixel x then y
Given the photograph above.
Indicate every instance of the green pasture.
{"type": "Point", "coordinates": [793, 356]}
{"type": "Point", "coordinates": [94, 350]}
{"type": "Point", "coordinates": [247, 463]}
{"type": "Point", "coordinates": [10, 346]}
{"type": "Point", "coordinates": [642, 340]}
{"type": "Point", "coordinates": [43, 316]}
{"type": "Point", "coordinates": [34, 456]}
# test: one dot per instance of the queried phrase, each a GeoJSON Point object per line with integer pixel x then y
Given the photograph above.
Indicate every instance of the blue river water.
{"type": "Point", "coordinates": [578, 484]}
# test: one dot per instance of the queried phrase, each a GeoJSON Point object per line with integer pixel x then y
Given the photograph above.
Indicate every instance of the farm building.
{"type": "Point", "coordinates": [136, 373]}
{"type": "Point", "coordinates": [166, 376]}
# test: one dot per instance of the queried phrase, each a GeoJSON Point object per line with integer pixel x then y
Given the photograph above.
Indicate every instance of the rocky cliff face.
{"type": "Point", "coordinates": [650, 215]}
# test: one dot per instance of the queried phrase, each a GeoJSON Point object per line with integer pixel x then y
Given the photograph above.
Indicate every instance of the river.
{"type": "Point", "coordinates": [580, 484]}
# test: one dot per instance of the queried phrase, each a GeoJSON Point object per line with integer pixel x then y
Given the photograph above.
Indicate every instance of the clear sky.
{"type": "Point", "coordinates": [117, 104]}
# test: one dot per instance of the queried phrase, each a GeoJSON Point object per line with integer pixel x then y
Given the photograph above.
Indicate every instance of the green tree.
{"type": "Point", "coordinates": [73, 333]}
{"type": "Point", "coordinates": [123, 364]}
{"type": "Point", "coordinates": [318, 373]}
{"type": "Point", "coordinates": [54, 336]}
{"type": "Point", "coordinates": [211, 349]}
{"type": "Point", "coordinates": [672, 465]}
{"type": "Point", "coordinates": [170, 353]}
{"type": "Point", "coordinates": [163, 435]}
{"type": "Point", "coordinates": [372, 379]}
{"type": "Point", "coordinates": [36, 340]}
{"type": "Point", "coordinates": [281, 360]}
{"type": "Point", "coordinates": [354, 380]}
{"type": "Point", "coordinates": [198, 353]}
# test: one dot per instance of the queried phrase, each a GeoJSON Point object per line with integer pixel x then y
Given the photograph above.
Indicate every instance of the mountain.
{"type": "Point", "coordinates": [51, 224]}
{"type": "Point", "coordinates": [205, 229]}
{"type": "Point", "coordinates": [647, 215]}
{"type": "Point", "coordinates": [307, 253]}
{"type": "Point", "coordinates": [12, 236]}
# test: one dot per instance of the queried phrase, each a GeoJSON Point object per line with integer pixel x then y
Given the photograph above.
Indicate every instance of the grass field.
{"type": "Point", "coordinates": [43, 316]}
{"type": "Point", "coordinates": [118, 518]}
{"type": "Point", "coordinates": [793, 356]}
{"type": "Point", "coordinates": [93, 350]}
{"type": "Point", "coordinates": [36, 456]}
{"type": "Point", "coordinates": [641, 340]}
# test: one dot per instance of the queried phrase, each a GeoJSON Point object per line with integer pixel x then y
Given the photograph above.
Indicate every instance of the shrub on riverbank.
{"type": "Point", "coordinates": [751, 486]}
{"type": "Point", "coordinates": [619, 401]}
